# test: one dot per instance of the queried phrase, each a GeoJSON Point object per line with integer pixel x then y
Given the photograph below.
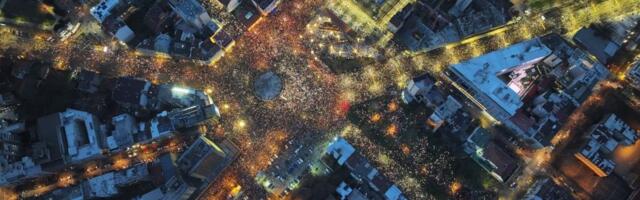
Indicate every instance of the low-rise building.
{"type": "Point", "coordinates": [547, 189]}
{"type": "Point", "coordinates": [205, 160]}
{"type": "Point", "coordinates": [265, 6]}
{"type": "Point", "coordinates": [606, 39]}
{"type": "Point", "coordinates": [229, 5]}
{"type": "Point", "coordinates": [433, 24]}
{"type": "Point", "coordinates": [601, 47]}
{"type": "Point", "coordinates": [530, 87]}
{"type": "Point", "coordinates": [633, 75]}
{"type": "Point", "coordinates": [88, 81]}
{"type": "Point", "coordinates": [131, 93]}
{"type": "Point", "coordinates": [71, 136]}
{"type": "Point", "coordinates": [490, 156]}
{"type": "Point", "coordinates": [20, 171]}
{"type": "Point", "coordinates": [444, 113]}
{"type": "Point", "coordinates": [10, 139]}
{"type": "Point", "coordinates": [192, 172]}
{"type": "Point", "coordinates": [103, 9]}
{"type": "Point", "coordinates": [168, 122]}
{"type": "Point", "coordinates": [363, 172]}
{"type": "Point", "coordinates": [173, 28]}
{"type": "Point", "coordinates": [192, 12]}
{"type": "Point", "coordinates": [422, 89]}
{"type": "Point", "coordinates": [169, 95]}
{"type": "Point", "coordinates": [341, 150]}
{"type": "Point", "coordinates": [103, 186]}
{"type": "Point", "coordinates": [124, 129]}
{"type": "Point", "coordinates": [604, 138]}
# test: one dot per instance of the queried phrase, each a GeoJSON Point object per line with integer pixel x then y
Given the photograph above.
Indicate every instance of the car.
{"type": "Point", "coordinates": [300, 161]}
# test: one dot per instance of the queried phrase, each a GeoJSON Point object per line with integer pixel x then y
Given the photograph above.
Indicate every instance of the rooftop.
{"type": "Point", "coordinates": [124, 128]}
{"type": "Point", "coordinates": [547, 189]}
{"type": "Point", "coordinates": [102, 186]}
{"type": "Point", "coordinates": [483, 71]}
{"type": "Point", "coordinates": [72, 135]}
{"type": "Point", "coordinates": [341, 150]}
{"type": "Point", "coordinates": [131, 91]}
{"type": "Point", "coordinates": [103, 9]}
{"type": "Point", "coordinates": [605, 137]}
{"type": "Point", "coordinates": [596, 44]}
{"type": "Point", "coordinates": [362, 170]}
{"type": "Point", "coordinates": [633, 75]}
{"type": "Point", "coordinates": [489, 155]}
{"type": "Point", "coordinates": [25, 168]}
{"type": "Point", "coordinates": [82, 134]}
{"type": "Point", "coordinates": [204, 159]}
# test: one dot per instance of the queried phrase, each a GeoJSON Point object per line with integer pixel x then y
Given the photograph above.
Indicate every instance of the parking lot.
{"type": "Point", "coordinates": [287, 168]}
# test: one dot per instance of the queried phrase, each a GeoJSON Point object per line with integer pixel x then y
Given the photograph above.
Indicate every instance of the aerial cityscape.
{"type": "Point", "coordinates": [320, 99]}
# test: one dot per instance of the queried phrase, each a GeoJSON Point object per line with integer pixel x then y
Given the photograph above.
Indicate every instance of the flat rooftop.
{"type": "Point", "coordinates": [483, 71]}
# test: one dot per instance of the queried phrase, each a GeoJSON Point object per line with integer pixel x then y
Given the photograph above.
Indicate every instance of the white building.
{"type": "Point", "coordinates": [481, 77]}
{"type": "Point", "coordinates": [514, 85]}
{"type": "Point", "coordinates": [341, 150]}
{"type": "Point", "coordinates": [103, 9]}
